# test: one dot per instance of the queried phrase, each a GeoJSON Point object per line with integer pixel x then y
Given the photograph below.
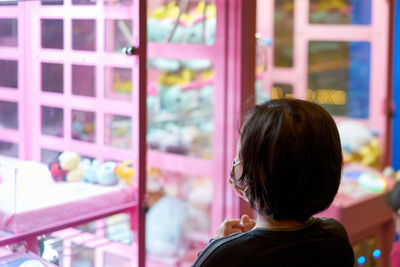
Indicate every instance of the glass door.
{"type": "Point", "coordinates": [333, 53]}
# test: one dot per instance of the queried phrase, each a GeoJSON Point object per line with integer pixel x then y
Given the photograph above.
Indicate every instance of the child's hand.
{"type": "Point", "coordinates": [247, 223]}
{"type": "Point", "coordinates": [229, 227]}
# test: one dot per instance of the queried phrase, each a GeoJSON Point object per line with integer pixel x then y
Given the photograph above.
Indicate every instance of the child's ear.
{"type": "Point", "coordinates": [398, 212]}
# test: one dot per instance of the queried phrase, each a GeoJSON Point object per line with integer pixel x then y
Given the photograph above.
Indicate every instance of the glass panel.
{"type": "Point", "coordinates": [84, 80]}
{"type": "Point", "coordinates": [283, 33]}
{"type": "Point", "coordinates": [9, 73]}
{"type": "Point", "coordinates": [118, 2]}
{"type": "Point", "coordinates": [8, 32]}
{"type": "Point", "coordinates": [83, 126]}
{"type": "Point", "coordinates": [84, 2]}
{"type": "Point", "coordinates": [118, 34]}
{"type": "Point", "coordinates": [118, 229]}
{"type": "Point", "coordinates": [8, 115]}
{"type": "Point", "coordinates": [52, 121]}
{"type": "Point", "coordinates": [118, 83]}
{"type": "Point", "coordinates": [262, 44]}
{"type": "Point", "coordinates": [195, 22]}
{"type": "Point", "coordinates": [52, 2]}
{"type": "Point", "coordinates": [84, 34]}
{"type": "Point", "coordinates": [49, 156]}
{"type": "Point", "coordinates": [281, 91]}
{"type": "Point", "coordinates": [340, 12]}
{"type": "Point", "coordinates": [52, 33]}
{"type": "Point", "coordinates": [180, 106]}
{"type": "Point", "coordinates": [9, 149]}
{"type": "Point", "coordinates": [82, 255]}
{"type": "Point", "coordinates": [118, 131]}
{"type": "Point", "coordinates": [111, 260]}
{"type": "Point", "coordinates": [339, 77]}
{"type": "Point", "coordinates": [52, 77]}
{"type": "Point", "coordinates": [178, 220]}
{"type": "Point", "coordinates": [8, 3]}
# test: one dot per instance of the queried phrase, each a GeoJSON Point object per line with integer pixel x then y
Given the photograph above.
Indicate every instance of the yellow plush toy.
{"type": "Point", "coordinates": [69, 161]}
{"type": "Point", "coordinates": [125, 171]}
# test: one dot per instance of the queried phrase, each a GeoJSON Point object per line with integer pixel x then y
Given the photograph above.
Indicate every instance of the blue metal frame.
{"type": "Point", "coordinates": [396, 88]}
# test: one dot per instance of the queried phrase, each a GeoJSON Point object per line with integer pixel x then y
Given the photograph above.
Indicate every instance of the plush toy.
{"type": "Point", "coordinates": [58, 174]}
{"type": "Point", "coordinates": [66, 167]}
{"type": "Point", "coordinates": [97, 173]}
{"type": "Point", "coordinates": [105, 174]}
{"type": "Point", "coordinates": [125, 171]}
{"type": "Point", "coordinates": [90, 170]}
{"type": "Point", "coordinates": [359, 144]}
{"type": "Point", "coordinates": [164, 226]}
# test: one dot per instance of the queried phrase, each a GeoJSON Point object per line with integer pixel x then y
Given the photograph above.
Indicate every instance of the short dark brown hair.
{"type": "Point", "coordinates": [292, 159]}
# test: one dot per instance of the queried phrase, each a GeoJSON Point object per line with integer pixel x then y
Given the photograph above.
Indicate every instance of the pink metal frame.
{"type": "Point", "coordinates": [30, 97]}
{"type": "Point", "coordinates": [377, 33]}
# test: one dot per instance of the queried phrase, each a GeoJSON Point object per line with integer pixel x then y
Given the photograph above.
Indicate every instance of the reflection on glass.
{"type": "Point", "coordinates": [84, 80]}
{"type": "Point", "coordinates": [84, 34]}
{"type": "Point", "coordinates": [340, 12]}
{"type": "Point", "coordinates": [8, 32]}
{"type": "Point", "coordinates": [9, 73]}
{"type": "Point", "coordinates": [118, 34]}
{"type": "Point", "coordinates": [338, 77]}
{"type": "Point", "coordinates": [52, 77]}
{"type": "Point", "coordinates": [194, 23]}
{"type": "Point", "coordinates": [52, 2]}
{"type": "Point", "coordinates": [52, 121]}
{"type": "Point", "coordinates": [118, 131]}
{"type": "Point", "coordinates": [82, 255]}
{"type": "Point", "coordinates": [118, 2]}
{"type": "Point", "coordinates": [84, 2]}
{"type": "Point", "coordinates": [52, 33]}
{"type": "Point", "coordinates": [8, 3]}
{"type": "Point", "coordinates": [118, 83]}
{"type": "Point", "coordinates": [111, 260]}
{"type": "Point", "coordinates": [283, 33]}
{"type": "Point", "coordinates": [180, 106]}
{"type": "Point", "coordinates": [9, 149]}
{"type": "Point", "coordinates": [8, 115]}
{"type": "Point", "coordinates": [281, 91]}
{"type": "Point", "coordinates": [48, 156]}
{"type": "Point", "coordinates": [178, 220]}
{"type": "Point", "coordinates": [83, 126]}
{"type": "Point", "coordinates": [118, 229]}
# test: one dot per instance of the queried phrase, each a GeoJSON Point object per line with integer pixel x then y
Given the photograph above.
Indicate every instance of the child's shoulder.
{"type": "Point", "coordinates": [333, 226]}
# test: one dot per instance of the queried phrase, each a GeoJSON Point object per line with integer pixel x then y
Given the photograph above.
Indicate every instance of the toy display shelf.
{"type": "Point", "coordinates": [62, 77]}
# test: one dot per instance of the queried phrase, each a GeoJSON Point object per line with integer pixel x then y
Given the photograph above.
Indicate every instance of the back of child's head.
{"type": "Point", "coordinates": [292, 159]}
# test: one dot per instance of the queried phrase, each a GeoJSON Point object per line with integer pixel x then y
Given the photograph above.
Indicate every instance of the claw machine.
{"type": "Point", "coordinates": [336, 54]}
{"type": "Point", "coordinates": [72, 99]}
{"type": "Point", "coordinates": [195, 65]}
{"type": "Point", "coordinates": [72, 128]}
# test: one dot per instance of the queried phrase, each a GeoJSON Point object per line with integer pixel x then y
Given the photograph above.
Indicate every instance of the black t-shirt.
{"type": "Point", "coordinates": [321, 242]}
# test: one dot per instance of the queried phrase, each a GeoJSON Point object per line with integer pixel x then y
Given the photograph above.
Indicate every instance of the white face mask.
{"type": "Point", "coordinates": [242, 193]}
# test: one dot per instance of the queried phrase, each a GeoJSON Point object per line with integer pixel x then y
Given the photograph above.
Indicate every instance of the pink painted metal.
{"type": "Point", "coordinates": [30, 97]}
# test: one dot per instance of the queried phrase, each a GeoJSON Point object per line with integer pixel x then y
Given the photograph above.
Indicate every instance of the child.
{"type": "Point", "coordinates": [288, 168]}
